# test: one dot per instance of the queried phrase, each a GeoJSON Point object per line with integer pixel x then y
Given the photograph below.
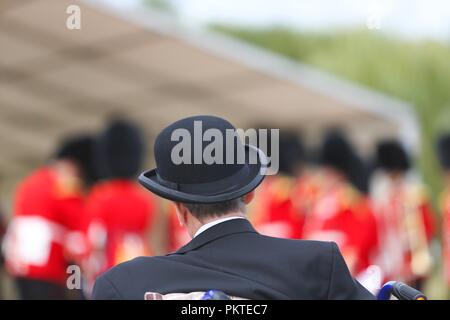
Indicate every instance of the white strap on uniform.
{"type": "Point", "coordinates": [29, 238]}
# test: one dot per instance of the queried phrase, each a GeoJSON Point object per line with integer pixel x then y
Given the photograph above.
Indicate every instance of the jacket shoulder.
{"type": "Point", "coordinates": [120, 282]}
{"type": "Point", "coordinates": [311, 249]}
{"type": "Point", "coordinates": [129, 268]}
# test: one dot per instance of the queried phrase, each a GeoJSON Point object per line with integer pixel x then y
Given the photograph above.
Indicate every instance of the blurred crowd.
{"type": "Point", "coordinates": [84, 207]}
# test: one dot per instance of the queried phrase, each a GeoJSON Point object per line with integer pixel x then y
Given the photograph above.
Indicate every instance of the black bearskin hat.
{"type": "Point", "coordinates": [79, 149]}
{"type": "Point", "coordinates": [291, 151]}
{"type": "Point", "coordinates": [120, 150]}
{"type": "Point", "coordinates": [443, 148]}
{"type": "Point", "coordinates": [337, 152]}
{"type": "Point", "coordinates": [391, 156]}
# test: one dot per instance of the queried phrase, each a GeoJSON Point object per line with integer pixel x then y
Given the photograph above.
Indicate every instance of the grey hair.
{"type": "Point", "coordinates": [205, 210]}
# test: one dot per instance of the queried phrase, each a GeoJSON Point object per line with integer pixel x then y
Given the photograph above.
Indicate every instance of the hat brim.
{"type": "Point", "coordinates": [246, 181]}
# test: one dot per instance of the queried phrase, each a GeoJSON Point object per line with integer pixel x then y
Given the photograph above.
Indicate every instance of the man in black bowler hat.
{"type": "Point", "coordinates": [225, 252]}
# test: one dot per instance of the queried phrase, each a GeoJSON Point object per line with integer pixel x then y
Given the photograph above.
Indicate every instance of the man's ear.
{"type": "Point", "coordinates": [249, 197]}
{"type": "Point", "coordinates": [181, 213]}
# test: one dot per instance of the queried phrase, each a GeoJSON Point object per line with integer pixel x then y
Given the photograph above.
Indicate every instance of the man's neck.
{"type": "Point", "coordinates": [210, 221]}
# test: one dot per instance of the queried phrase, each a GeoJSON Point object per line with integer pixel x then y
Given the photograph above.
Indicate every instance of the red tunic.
{"type": "Point", "coordinates": [48, 208]}
{"type": "Point", "coordinates": [446, 234]}
{"type": "Point", "coordinates": [405, 223]}
{"type": "Point", "coordinates": [120, 214]}
{"type": "Point", "coordinates": [274, 212]}
{"type": "Point", "coordinates": [344, 216]}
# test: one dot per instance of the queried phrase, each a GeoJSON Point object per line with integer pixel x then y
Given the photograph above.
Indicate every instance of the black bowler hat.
{"type": "Point", "coordinates": [194, 182]}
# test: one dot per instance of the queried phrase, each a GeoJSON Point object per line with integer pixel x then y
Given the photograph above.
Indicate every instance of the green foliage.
{"type": "Point", "coordinates": [417, 72]}
{"type": "Point", "coordinates": [165, 6]}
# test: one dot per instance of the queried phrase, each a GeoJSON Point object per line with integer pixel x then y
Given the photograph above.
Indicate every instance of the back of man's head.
{"type": "Point", "coordinates": [203, 211]}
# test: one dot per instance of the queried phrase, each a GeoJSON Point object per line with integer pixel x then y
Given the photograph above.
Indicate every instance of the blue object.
{"type": "Point", "coordinates": [215, 295]}
{"type": "Point", "coordinates": [401, 291]}
{"type": "Point", "coordinates": [386, 291]}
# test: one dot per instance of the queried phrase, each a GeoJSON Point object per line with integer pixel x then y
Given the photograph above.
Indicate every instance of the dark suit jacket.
{"type": "Point", "coordinates": [232, 257]}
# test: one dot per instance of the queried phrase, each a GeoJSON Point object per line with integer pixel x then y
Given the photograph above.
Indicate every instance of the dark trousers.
{"type": "Point", "coordinates": [32, 289]}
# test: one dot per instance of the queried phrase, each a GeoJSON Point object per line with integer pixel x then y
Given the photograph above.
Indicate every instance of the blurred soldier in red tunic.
{"type": "Point", "coordinates": [307, 190]}
{"type": "Point", "coordinates": [342, 212]}
{"type": "Point", "coordinates": [120, 212]}
{"type": "Point", "coordinates": [47, 217]}
{"type": "Point", "coordinates": [279, 214]}
{"type": "Point", "coordinates": [404, 217]}
{"type": "Point", "coordinates": [444, 157]}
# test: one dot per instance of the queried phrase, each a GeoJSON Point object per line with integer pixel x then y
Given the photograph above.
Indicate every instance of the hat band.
{"type": "Point", "coordinates": [214, 187]}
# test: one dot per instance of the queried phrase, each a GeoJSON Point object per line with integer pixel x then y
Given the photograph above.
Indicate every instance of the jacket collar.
{"type": "Point", "coordinates": [218, 231]}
